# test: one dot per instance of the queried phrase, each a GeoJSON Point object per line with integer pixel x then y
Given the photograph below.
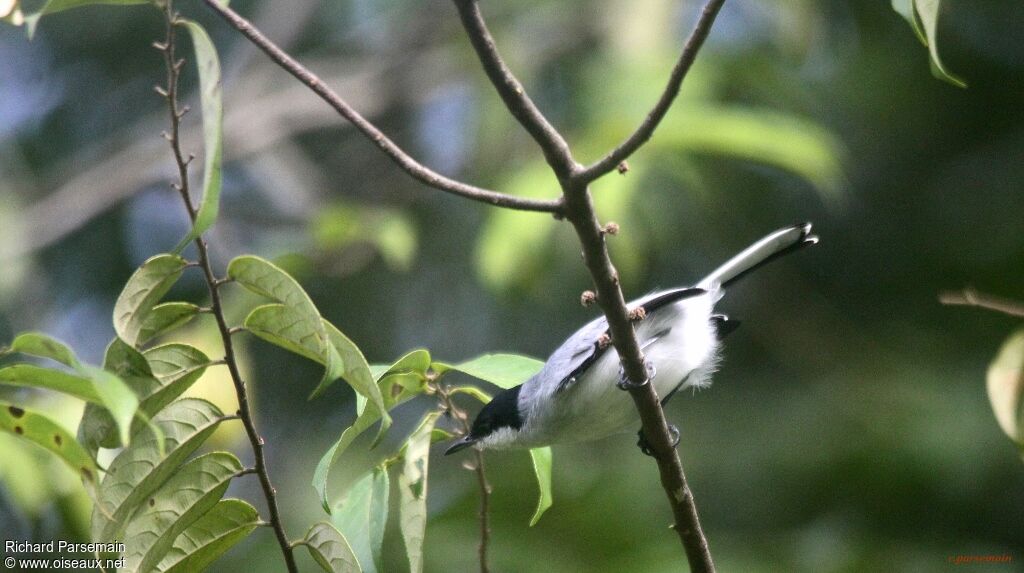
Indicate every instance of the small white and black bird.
{"type": "Point", "coordinates": [576, 396]}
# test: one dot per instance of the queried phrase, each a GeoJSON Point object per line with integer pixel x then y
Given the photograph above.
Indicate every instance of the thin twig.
{"type": "Point", "coordinates": [481, 476]}
{"type": "Point", "coordinates": [244, 410]}
{"type": "Point", "coordinates": [690, 49]}
{"type": "Point", "coordinates": [971, 297]}
{"type": "Point", "coordinates": [519, 104]}
{"type": "Point", "coordinates": [390, 148]}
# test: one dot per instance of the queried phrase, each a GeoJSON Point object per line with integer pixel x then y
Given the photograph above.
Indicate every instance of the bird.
{"type": "Point", "coordinates": [577, 394]}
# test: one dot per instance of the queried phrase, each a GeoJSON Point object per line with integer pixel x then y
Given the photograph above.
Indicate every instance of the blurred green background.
{"type": "Point", "coordinates": [848, 428]}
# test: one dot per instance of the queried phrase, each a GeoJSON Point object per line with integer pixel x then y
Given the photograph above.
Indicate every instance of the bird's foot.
{"type": "Point", "coordinates": [645, 446]}
{"type": "Point", "coordinates": [625, 383]}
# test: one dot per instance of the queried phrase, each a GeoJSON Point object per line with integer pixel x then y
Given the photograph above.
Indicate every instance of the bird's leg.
{"type": "Point", "coordinates": [645, 446]}
{"type": "Point", "coordinates": [625, 383]}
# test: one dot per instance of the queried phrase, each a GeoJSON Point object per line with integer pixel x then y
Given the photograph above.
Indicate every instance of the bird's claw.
{"type": "Point", "coordinates": [625, 383]}
{"type": "Point", "coordinates": [645, 446]}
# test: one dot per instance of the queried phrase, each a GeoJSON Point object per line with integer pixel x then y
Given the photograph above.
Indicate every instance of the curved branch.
{"type": "Point", "coordinates": [390, 148]}
{"type": "Point", "coordinates": [643, 133]}
{"type": "Point", "coordinates": [519, 104]}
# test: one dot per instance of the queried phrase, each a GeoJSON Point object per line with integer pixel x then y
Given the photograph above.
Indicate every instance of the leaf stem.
{"type": "Point", "coordinates": [971, 297]}
{"type": "Point", "coordinates": [244, 410]}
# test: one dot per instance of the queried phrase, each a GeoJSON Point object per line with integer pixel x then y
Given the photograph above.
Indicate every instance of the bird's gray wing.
{"type": "Point", "coordinates": [589, 343]}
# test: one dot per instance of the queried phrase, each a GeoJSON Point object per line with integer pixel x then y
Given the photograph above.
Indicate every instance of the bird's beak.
{"type": "Point", "coordinates": [461, 444]}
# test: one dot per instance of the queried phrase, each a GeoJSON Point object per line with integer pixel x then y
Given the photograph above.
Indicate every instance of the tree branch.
{"type": "Point", "coordinates": [971, 297]}
{"type": "Point", "coordinates": [580, 212]}
{"type": "Point", "coordinates": [643, 133]}
{"type": "Point", "coordinates": [519, 104]}
{"type": "Point", "coordinates": [216, 307]}
{"type": "Point", "coordinates": [414, 168]}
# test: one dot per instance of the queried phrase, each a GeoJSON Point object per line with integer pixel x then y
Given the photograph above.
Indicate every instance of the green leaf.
{"type": "Point", "coordinates": [177, 367]}
{"type": "Point", "coordinates": [285, 327]}
{"type": "Point", "coordinates": [542, 469]}
{"type": "Point", "coordinates": [362, 515]}
{"type": "Point", "coordinates": [144, 289]}
{"type": "Point", "coordinates": [193, 490]}
{"type": "Point", "coordinates": [1005, 383]}
{"type": "Point", "coordinates": [210, 96]}
{"type": "Point", "coordinates": [52, 6]}
{"type": "Point", "coordinates": [412, 489]}
{"type": "Point", "coordinates": [44, 346]}
{"type": "Point", "coordinates": [229, 522]}
{"type": "Point", "coordinates": [928, 12]}
{"type": "Point", "coordinates": [502, 370]}
{"type": "Point", "coordinates": [47, 434]}
{"type": "Point", "coordinates": [140, 468]}
{"type": "Point", "coordinates": [398, 383]}
{"type": "Point", "coordinates": [905, 8]}
{"type": "Point", "coordinates": [473, 391]}
{"type": "Point", "coordinates": [174, 368]}
{"type": "Point", "coordinates": [299, 328]}
{"type": "Point", "coordinates": [165, 318]}
{"type": "Point", "coordinates": [34, 376]}
{"type": "Point", "coordinates": [330, 549]}
{"type": "Point", "coordinates": [117, 398]}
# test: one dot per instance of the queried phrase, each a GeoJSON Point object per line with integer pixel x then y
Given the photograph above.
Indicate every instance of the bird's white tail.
{"type": "Point", "coordinates": [767, 249]}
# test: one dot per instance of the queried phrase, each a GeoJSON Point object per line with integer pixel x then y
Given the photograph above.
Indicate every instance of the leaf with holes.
{"type": "Point", "coordinates": [362, 515]}
{"type": "Point", "coordinates": [142, 292]}
{"type": "Point", "coordinates": [210, 98]}
{"type": "Point", "coordinates": [140, 468]}
{"type": "Point", "coordinates": [330, 549]}
{"type": "Point", "coordinates": [502, 370]}
{"type": "Point", "coordinates": [542, 469]}
{"type": "Point", "coordinates": [412, 489]}
{"type": "Point", "coordinates": [193, 490]}
{"type": "Point", "coordinates": [164, 318]}
{"type": "Point", "coordinates": [229, 522]}
{"type": "Point", "coordinates": [1005, 383]}
{"type": "Point", "coordinates": [47, 434]}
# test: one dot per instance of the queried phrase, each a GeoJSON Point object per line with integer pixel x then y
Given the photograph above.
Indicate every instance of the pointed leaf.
{"type": "Point", "coordinates": [1006, 387]}
{"type": "Point", "coordinates": [502, 370]}
{"type": "Point", "coordinates": [34, 376]}
{"type": "Point", "coordinates": [31, 19]}
{"type": "Point", "coordinates": [397, 384]}
{"type": "Point", "coordinates": [193, 490]}
{"type": "Point", "coordinates": [229, 522]}
{"type": "Point", "coordinates": [117, 398]}
{"type": "Point", "coordinates": [165, 318]}
{"type": "Point", "coordinates": [285, 327]}
{"type": "Point", "coordinates": [473, 391]}
{"type": "Point", "coordinates": [143, 290]}
{"type": "Point", "coordinates": [362, 515]}
{"type": "Point", "coordinates": [44, 346]}
{"type": "Point", "coordinates": [140, 468]}
{"type": "Point", "coordinates": [42, 431]}
{"type": "Point", "coordinates": [928, 12]}
{"type": "Point", "coordinates": [542, 469]}
{"type": "Point", "coordinates": [412, 489]}
{"type": "Point", "coordinates": [210, 96]}
{"type": "Point", "coordinates": [330, 549]}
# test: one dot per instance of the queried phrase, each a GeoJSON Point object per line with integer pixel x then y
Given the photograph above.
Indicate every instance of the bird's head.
{"type": "Point", "coordinates": [496, 425]}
